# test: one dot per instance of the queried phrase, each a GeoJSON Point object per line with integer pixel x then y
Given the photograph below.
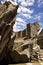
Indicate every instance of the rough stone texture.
{"type": "Point", "coordinates": [40, 39]}
{"type": "Point", "coordinates": [32, 29]}
{"type": "Point", "coordinates": [18, 34]}
{"type": "Point", "coordinates": [15, 46]}
{"type": "Point", "coordinates": [18, 58]}
{"type": "Point", "coordinates": [21, 34]}
{"type": "Point", "coordinates": [28, 30]}
{"type": "Point", "coordinates": [24, 33]}
{"type": "Point", "coordinates": [8, 13]}
{"type": "Point", "coordinates": [24, 39]}
{"type": "Point", "coordinates": [37, 26]}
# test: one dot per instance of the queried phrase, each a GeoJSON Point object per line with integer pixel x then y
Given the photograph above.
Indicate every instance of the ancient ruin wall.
{"type": "Point", "coordinates": [30, 31]}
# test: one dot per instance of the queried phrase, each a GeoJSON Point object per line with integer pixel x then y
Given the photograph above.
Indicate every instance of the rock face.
{"type": "Point", "coordinates": [40, 39]}
{"type": "Point", "coordinates": [16, 46]}
{"type": "Point", "coordinates": [8, 13]}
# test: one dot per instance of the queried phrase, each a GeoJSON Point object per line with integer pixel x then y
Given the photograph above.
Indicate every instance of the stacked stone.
{"type": "Point", "coordinates": [21, 34]}
{"type": "Point", "coordinates": [8, 13]}
{"type": "Point", "coordinates": [24, 33]}
{"type": "Point", "coordinates": [36, 24]}
{"type": "Point", "coordinates": [18, 34]}
{"type": "Point", "coordinates": [32, 29]}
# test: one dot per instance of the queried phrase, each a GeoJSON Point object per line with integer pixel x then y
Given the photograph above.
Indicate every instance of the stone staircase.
{"type": "Point", "coordinates": [24, 49]}
{"type": "Point", "coordinates": [41, 54]}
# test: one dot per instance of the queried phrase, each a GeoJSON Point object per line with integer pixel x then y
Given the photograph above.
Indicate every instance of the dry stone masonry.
{"type": "Point", "coordinates": [30, 31]}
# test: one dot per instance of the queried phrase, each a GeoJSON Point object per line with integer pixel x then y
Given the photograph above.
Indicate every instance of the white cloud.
{"type": "Point", "coordinates": [21, 0]}
{"type": "Point", "coordinates": [23, 3]}
{"type": "Point", "coordinates": [30, 2]}
{"type": "Point", "coordinates": [24, 9]}
{"type": "Point", "coordinates": [37, 17]}
{"type": "Point", "coordinates": [19, 10]}
{"type": "Point", "coordinates": [2, 1]}
{"type": "Point", "coordinates": [15, 28]}
{"type": "Point", "coordinates": [19, 26]}
{"type": "Point", "coordinates": [27, 15]}
{"type": "Point", "coordinates": [7, 0]}
{"type": "Point", "coordinates": [19, 19]}
{"type": "Point", "coordinates": [40, 3]}
{"type": "Point", "coordinates": [27, 3]}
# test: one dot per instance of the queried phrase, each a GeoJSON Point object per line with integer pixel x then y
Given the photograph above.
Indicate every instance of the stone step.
{"type": "Point", "coordinates": [36, 63]}
{"type": "Point", "coordinates": [41, 55]}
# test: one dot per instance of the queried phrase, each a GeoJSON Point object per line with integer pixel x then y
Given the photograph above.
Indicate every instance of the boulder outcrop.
{"type": "Point", "coordinates": [8, 13]}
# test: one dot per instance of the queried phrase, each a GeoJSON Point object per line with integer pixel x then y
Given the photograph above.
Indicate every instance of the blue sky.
{"type": "Point", "coordinates": [29, 11]}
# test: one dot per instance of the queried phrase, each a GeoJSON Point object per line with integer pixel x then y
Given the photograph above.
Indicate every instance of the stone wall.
{"type": "Point", "coordinates": [21, 34]}
{"type": "Point", "coordinates": [33, 31]}
{"type": "Point", "coordinates": [18, 34]}
{"type": "Point", "coordinates": [30, 31]}
{"type": "Point", "coordinates": [37, 26]}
